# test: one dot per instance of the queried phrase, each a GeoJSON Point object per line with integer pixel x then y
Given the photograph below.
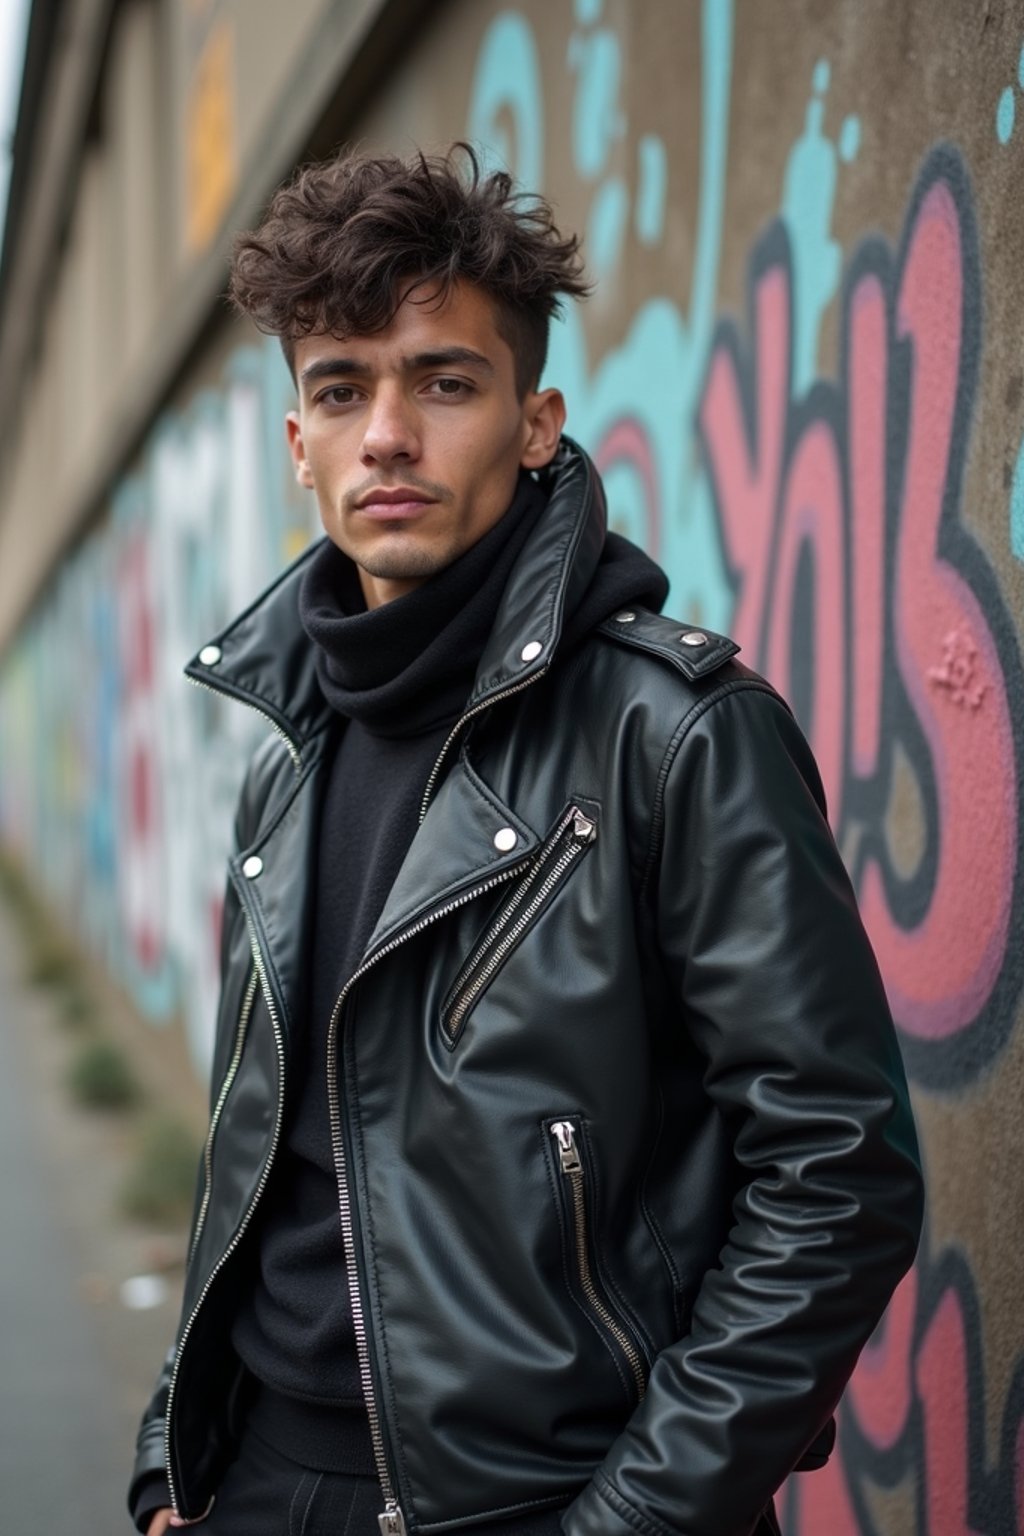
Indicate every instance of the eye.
{"type": "Point", "coordinates": [338, 394]}
{"type": "Point", "coordinates": [449, 388]}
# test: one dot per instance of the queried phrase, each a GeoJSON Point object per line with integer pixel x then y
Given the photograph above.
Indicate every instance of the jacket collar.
{"type": "Point", "coordinates": [264, 657]}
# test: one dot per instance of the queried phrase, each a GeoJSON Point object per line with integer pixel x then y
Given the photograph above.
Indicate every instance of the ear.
{"type": "Point", "coordinates": [544, 419]}
{"type": "Point", "coordinates": [297, 449]}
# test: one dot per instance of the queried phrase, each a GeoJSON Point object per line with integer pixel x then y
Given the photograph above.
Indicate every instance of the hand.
{"type": "Point", "coordinates": [160, 1522]}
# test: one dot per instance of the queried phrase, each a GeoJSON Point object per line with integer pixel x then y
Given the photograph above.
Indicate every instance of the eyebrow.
{"type": "Point", "coordinates": [442, 357]}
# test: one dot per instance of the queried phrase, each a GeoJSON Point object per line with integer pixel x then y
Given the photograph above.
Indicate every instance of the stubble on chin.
{"type": "Point", "coordinates": [404, 560]}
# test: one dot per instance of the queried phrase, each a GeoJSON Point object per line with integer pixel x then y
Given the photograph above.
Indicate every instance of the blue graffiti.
{"type": "Point", "coordinates": [849, 139]}
{"type": "Point", "coordinates": [809, 187]}
{"type": "Point", "coordinates": [1006, 113]}
{"type": "Point", "coordinates": [652, 186]}
{"type": "Point", "coordinates": [633, 407]}
{"type": "Point", "coordinates": [507, 79]}
{"type": "Point", "coordinates": [1017, 507]}
{"type": "Point", "coordinates": [597, 119]}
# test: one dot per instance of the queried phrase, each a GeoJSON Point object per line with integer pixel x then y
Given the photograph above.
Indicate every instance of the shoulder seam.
{"type": "Point", "coordinates": [702, 705]}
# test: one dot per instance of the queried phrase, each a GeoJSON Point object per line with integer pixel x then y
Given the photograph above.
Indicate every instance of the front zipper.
{"type": "Point", "coordinates": [225, 1089]}
{"type": "Point", "coordinates": [571, 1165]}
{"type": "Point", "coordinates": [261, 972]}
{"type": "Point", "coordinates": [572, 837]}
{"type": "Point", "coordinates": [392, 1521]}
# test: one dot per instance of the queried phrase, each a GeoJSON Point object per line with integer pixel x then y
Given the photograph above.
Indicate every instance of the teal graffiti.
{"type": "Point", "coordinates": [652, 177]}
{"type": "Point", "coordinates": [507, 79]}
{"type": "Point", "coordinates": [606, 227]}
{"type": "Point", "coordinates": [1006, 107]}
{"type": "Point", "coordinates": [596, 118]}
{"type": "Point", "coordinates": [808, 194]}
{"type": "Point", "coordinates": [1017, 507]}
{"type": "Point", "coordinates": [642, 396]}
{"type": "Point", "coordinates": [595, 57]}
{"type": "Point", "coordinates": [1006, 112]}
{"type": "Point", "coordinates": [849, 139]}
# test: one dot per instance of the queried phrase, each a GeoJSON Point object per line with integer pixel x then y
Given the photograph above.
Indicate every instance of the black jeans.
{"type": "Point", "coordinates": [266, 1494]}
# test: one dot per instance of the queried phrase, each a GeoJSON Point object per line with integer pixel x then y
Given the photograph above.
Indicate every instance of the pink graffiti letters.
{"type": "Point", "coordinates": [862, 595]}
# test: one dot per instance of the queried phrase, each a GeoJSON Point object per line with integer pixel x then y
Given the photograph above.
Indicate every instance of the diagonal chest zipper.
{"type": "Point", "coordinates": [574, 1173]}
{"type": "Point", "coordinates": [574, 834]}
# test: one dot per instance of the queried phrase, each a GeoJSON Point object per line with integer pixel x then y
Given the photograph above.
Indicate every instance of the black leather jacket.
{"type": "Point", "coordinates": [626, 1166]}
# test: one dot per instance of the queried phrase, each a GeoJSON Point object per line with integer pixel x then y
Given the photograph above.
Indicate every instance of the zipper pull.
{"type": "Point", "coordinates": [565, 1134]}
{"type": "Point", "coordinates": [392, 1521]}
{"type": "Point", "coordinates": [584, 828]}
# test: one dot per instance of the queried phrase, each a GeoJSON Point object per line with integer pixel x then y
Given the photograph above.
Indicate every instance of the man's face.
{"type": "Point", "coordinates": [413, 437]}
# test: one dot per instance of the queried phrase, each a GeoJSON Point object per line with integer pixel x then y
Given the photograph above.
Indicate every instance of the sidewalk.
{"type": "Point", "coordinates": [76, 1363]}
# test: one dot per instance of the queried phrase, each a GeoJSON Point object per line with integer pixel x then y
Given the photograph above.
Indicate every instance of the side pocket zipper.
{"type": "Point", "coordinates": [574, 834]}
{"type": "Point", "coordinates": [571, 1164]}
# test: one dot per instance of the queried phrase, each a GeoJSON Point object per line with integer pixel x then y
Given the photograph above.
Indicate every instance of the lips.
{"type": "Point", "coordinates": [394, 504]}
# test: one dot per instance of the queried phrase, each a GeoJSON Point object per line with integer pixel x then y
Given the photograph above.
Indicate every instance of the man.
{"type": "Point", "coordinates": [560, 1161]}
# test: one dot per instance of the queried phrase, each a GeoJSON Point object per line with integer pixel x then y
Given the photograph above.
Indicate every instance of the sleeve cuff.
{"type": "Point", "coordinates": [154, 1494]}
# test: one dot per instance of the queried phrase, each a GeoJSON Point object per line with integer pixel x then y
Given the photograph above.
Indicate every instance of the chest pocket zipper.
{"type": "Point", "coordinates": [573, 836]}
{"type": "Point", "coordinates": [574, 1174]}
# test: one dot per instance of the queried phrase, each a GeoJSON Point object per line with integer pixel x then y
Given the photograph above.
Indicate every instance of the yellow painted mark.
{"type": "Point", "coordinates": [211, 165]}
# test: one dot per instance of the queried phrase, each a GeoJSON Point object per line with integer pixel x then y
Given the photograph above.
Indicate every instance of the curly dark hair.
{"type": "Point", "coordinates": [342, 241]}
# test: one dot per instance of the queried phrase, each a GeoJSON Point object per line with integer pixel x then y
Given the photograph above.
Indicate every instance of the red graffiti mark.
{"type": "Point", "coordinates": [942, 1385]}
{"type": "Point", "coordinates": [866, 491]}
{"type": "Point", "coordinates": [811, 518]}
{"type": "Point", "coordinates": [140, 853]}
{"type": "Point", "coordinates": [958, 674]}
{"type": "Point", "coordinates": [861, 593]}
{"type": "Point", "coordinates": [881, 1390]}
{"type": "Point", "coordinates": [786, 494]}
{"type": "Point", "coordinates": [627, 443]}
{"type": "Point", "coordinates": [747, 454]}
{"type": "Point", "coordinates": [941, 970]}
{"type": "Point", "coordinates": [910, 1402]}
{"type": "Point", "coordinates": [821, 1503]}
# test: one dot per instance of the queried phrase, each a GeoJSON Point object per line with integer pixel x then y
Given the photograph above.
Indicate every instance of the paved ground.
{"type": "Point", "coordinates": [76, 1364]}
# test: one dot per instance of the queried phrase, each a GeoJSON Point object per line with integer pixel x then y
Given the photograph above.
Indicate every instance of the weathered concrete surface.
{"type": "Point", "coordinates": [75, 1364]}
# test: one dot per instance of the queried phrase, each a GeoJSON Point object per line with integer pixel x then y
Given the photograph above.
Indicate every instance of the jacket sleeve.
{"type": "Point", "coordinates": [149, 1447]}
{"type": "Point", "coordinates": [778, 986]}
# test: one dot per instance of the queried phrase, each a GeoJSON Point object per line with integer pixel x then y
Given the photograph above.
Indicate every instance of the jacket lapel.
{"type": "Point", "coordinates": [465, 839]}
{"type": "Point", "coordinates": [272, 878]}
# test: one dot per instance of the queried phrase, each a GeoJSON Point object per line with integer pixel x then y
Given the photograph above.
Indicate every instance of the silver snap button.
{"type": "Point", "coordinates": [693, 637]}
{"type": "Point", "coordinates": [625, 618]}
{"type": "Point", "coordinates": [505, 840]}
{"type": "Point", "coordinates": [252, 867]}
{"type": "Point", "coordinates": [532, 651]}
{"type": "Point", "coordinates": [210, 655]}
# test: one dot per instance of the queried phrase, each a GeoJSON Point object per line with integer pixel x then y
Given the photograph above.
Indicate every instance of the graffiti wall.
{"type": "Point", "coordinates": [119, 781]}
{"type": "Point", "coordinates": [812, 415]}
{"type": "Point", "coordinates": [802, 377]}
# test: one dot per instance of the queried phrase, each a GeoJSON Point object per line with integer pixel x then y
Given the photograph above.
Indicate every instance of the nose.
{"type": "Point", "coordinates": [390, 432]}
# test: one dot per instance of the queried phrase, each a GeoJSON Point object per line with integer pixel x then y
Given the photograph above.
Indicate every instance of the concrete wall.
{"type": "Point", "coordinates": [802, 377]}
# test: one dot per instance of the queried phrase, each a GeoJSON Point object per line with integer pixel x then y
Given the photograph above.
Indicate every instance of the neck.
{"type": "Point", "coordinates": [378, 590]}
